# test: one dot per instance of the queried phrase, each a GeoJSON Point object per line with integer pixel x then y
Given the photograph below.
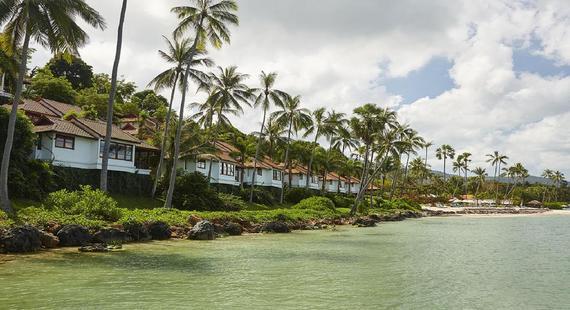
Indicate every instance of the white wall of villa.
{"type": "Point", "coordinates": [264, 177]}
{"type": "Point", "coordinates": [222, 172]}
{"type": "Point", "coordinates": [84, 154]}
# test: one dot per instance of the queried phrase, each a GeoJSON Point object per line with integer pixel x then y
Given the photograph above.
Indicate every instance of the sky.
{"type": "Point", "coordinates": [480, 75]}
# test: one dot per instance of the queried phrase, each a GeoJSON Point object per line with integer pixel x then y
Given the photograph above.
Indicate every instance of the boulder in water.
{"type": "Point", "coordinates": [49, 240]}
{"type": "Point", "coordinates": [203, 230]}
{"type": "Point", "coordinates": [233, 229]}
{"type": "Point", "coordinates": [74, 235]}
{"type": "Point", "coordinates": [364, 222]}
{"type": "Point", "coordinates": [276, 227]}
{"type": "Point", "coordinates": [159, 231]}
{"type": "Point", "coordinates": [21, 240]}
{"type": "Point", "coordinates": [110, 235]}
{"type": "Point", "coordinates": [136, 232]}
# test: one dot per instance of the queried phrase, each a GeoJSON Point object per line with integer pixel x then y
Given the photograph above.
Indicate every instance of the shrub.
{"type": "Point", "coordinates": [5, 221]}
{"type": "Point", "coordinates": [399, 204]}
{"type": "Point", "coordinates": [341, 201]}
{"type": "Point", "coordinates": [554, 205]}
{"type": "Point", "coordinates": [232, 202]}
{"type": "Point", "coordinates": [316, 203]}
{"type": "Point", "coordinates": [42, 217]}
{"type": "Point", "coordinates": [192, 193]}
{"type": "Point", "coordinates": [295, 195]}
{"type": "Point", "coordinates": [259, 196]}
{"type": "Point", "coordinates": [93, 204]}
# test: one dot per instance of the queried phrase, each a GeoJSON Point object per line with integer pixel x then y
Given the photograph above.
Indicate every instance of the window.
{"type": "Point", "coordinates": [65, 142]}
{"type": "Point", "coordinates": [301, 177]}
{"type": "Point", "coordinates": [259, 171]}
{"type": "Point", "coordinates": [330, 182]}
{"type": "Point", "coordinates": [228, 169]}
{"type": "Point", "coordinates": [341, 184]}
{"type": "Point", "coordinates": [118, 151]}
{"type": "Point", "coordinates": [39, 146]}
{"type": "Point", "coordinates": [276, 175]}
{"type": "Point", "coordinates": [314, 179]}
{"type": "Point", "coordinates": [201, 164]}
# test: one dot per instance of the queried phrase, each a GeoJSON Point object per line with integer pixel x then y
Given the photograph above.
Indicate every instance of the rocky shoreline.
{"type": "Point", "coordinates": [29, 239]}
{"type": "Point", "coordinates": [433, 211]}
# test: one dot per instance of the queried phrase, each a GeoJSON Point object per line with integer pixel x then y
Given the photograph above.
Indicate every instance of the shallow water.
{"type": "Point", "coordinates": [431, 263]}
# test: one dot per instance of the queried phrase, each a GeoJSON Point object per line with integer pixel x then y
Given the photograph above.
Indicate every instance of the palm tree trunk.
{"type": "Point", "coordinates": [110, 104]}
{"type": "Point", "coordinates": [164, 137]}
{"type": "Point", "coordinates": [5, 200]}
{"type": "Point", "coordinates": [257, 156]}
{"type": "Point", "coordinates": [286, 162]}
{"type": "Point", "coordinates": [309, 168]}
{"type": "Point", "coordinates": [361, 191]}
{"type": "Point", "coordinates": [444, 175]}
{"type": "Point", "coordinates": [172, 181]}
{"type": "Point", "coordinates": [211, 161]}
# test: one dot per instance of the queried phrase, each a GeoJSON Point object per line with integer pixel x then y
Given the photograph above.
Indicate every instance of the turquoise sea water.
{"type": "Point", "coordinates": [430, 263]}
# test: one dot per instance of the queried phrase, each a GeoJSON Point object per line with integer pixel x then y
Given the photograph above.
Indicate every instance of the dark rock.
{"type": "Point", "coordinates": [21, 240]}
{"type": "Point", "coordinates": [178, 232]}
{"type": "Point", "coordinates": [276, 227]}
{"type": "Point", "coordinates": [159, 231]}
{"type": "Point", "coordinates": [203, 230]}
{"type": "Point", "coordinates": [53, 227]}
{"type": "Point", "coordinates": [233, 229]}
{"type": "Point", "coordinates": [99, 248]}
{"type": "Point", "coordinates": [193, 220]}
{"type": "Point", "coordinates": [219, 229]}
{"type": "Point", "coordinates": [364, 222]}
{"type": "Point", "coordinates": [137, 232]}
{"type": "Point", "coordinates": [110, 235]}
{"type": "Point", "coordinates": [49, 241]}
{"type": "Point", "coordinates": [74, 235]}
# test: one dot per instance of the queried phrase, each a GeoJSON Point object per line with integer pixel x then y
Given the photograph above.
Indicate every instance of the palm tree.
{"type": "Point", "coordinates": [274, 135]}
{"type": "Point", "coordinates": [176, 54]}
{"type": "Point", "coordinates": [347, 170]}
{"type": "Point", "coordinates": [343, 140]}
{"type": "Point", "coordinates": [266, 96]}
{"type": "Point", "coordinates": [319, 127]}
{"type": "Point", "coordinates": [52, 26]}
{"type": "Point", "coordinates": [444, 152]}
{"type": "Point", "coordinates": [228, 93]}
{"type": "Point", "coordinates": [244, 148]}
{"type": "Point", "coordinates": [111, 101]}
{"type": "Point", "coordinates": [480, 175]}
{"type": "Point", "coordinates": [548, 174]}
{"type": "Point", "coordinates": [465, 159]}
{"type": "Point", "coordinates": [496, 159]}
{"type": "Point", "coordinates": [208, 20]}
{"type": "Point", "coordinates": [426, 146]}
{"type": "Point", "coordinates": [295, 118]}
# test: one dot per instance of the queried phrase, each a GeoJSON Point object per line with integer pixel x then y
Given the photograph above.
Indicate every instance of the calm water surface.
{"type": "Point", "coordinates": [432, 263]}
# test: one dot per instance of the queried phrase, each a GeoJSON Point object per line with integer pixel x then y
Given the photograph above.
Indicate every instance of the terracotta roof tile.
{"type": "Point", "coordinates": [60, 107]}
{"type": "Point", "coordinates": [100, 128]}
{"type": "Point", "coordinates": [54, 124]}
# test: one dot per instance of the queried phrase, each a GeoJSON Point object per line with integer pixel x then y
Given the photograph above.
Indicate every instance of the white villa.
{"type": "Point", "coordinates": [77, 142]}
{"type": "Point", "coordinates": [228, 170]}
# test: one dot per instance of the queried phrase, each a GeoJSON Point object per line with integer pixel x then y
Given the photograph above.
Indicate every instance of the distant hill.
{"type": "Point", "coordinates": [531, 179]}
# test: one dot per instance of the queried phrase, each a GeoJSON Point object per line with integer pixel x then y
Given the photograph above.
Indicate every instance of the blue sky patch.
{"type": "Point", "coordinates": [431, 80]}
{"type": "Point", "coordinates": [526, 59]}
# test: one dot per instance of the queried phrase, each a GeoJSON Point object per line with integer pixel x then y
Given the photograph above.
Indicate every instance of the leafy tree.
{"type": "Point", "coordinates": [73, 69]}
{"type": "Point", "coordinates": [208, 20]}
{"type": "Point", "coordinates": [267, 96]}
{"type": "Point", "coordinates": [295, 118]}
{"type": "Point", "coordinates": [51, 26]}
{"type": "Point", "coordinates": [443, 153]}
{"type": "Point", "coordinates": [177, 54]}
{"type": "Point", "coordinates": [28, 178]}
{"type": "Point", "coordinates": [46, 85]}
